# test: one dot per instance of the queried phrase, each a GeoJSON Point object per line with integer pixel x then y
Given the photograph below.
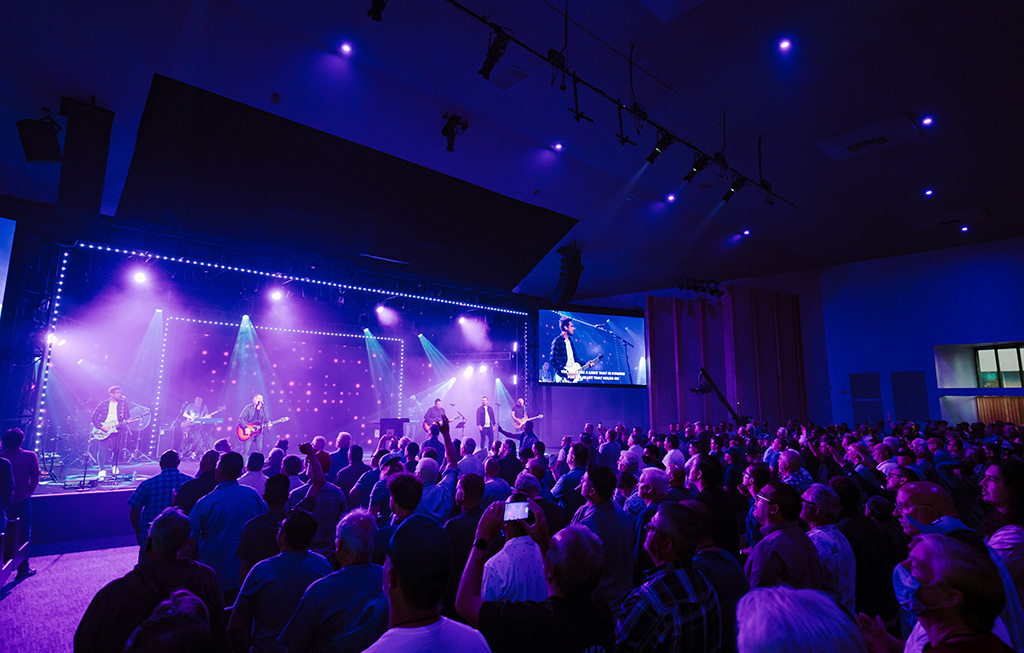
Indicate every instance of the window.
{"type": "Point", "coordinates": [1000, 366]}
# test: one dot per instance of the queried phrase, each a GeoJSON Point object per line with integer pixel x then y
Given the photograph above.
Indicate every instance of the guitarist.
{"type": "Point", "coordinates": [254, 413]}
{"type": "Point", "coordinates": [562, 353]}
{"type": "Point", "coordinates": [111, 416]}
{"type": "Point", "coordinates": [188, 427]}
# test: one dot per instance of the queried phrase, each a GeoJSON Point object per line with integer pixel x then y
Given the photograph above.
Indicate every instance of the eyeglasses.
{"type": "Point", "coordinates": [763, 498]}
{"type": "Point", "coordinates": [649, 527]}
{"type": "Point", "coordinates": [807, 501]}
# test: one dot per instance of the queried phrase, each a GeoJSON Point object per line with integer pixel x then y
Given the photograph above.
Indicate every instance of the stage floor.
{"type": "Point", "coordinates": [65, 479]}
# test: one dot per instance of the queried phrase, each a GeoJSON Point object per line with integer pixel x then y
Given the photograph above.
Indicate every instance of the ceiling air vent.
{"type": "Point", "coordinates": [871, 138]}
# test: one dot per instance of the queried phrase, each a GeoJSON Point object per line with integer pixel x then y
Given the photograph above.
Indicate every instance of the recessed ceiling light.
{"type": "Point", "coordinates": [346, 48]}
{"type": "Point", "coordinates": [671, 197]}
{"type": "Point", "coordinates": [557, 147]}
{"type": "Point", "coordinates": [964, 228]}
{"type": "Point", "coordinates": [929, 192]}
{"type": "Point", "coordinates": [785, 45]}
{"type": "Point", "coordinates": [927, 121]}
{"type": "Point", "coordinates": [746, 232]}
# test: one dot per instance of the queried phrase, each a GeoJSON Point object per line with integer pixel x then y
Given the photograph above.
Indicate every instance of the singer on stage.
{"type": "Point", "coordinates": [562, 350]}
{"type": "Point", "coordinates": [254, 413]}
{"type": "Point", "coordinates": [111, 417]}
{"type": "Point", "coordinates": [485, 422]}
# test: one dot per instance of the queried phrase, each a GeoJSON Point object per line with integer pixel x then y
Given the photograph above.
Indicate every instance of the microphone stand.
{"type": "Point", "coordinates": [462, 426]}
{"type": "Point", "coordinates": [625, 351]}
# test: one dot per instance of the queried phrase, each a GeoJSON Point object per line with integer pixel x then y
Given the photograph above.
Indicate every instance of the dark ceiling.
{"type": "Point", "coordinates": [839, 115]}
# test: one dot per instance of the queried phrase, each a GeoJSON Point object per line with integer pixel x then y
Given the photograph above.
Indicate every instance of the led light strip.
{"type": "Point", "coordinates": [287, 277]}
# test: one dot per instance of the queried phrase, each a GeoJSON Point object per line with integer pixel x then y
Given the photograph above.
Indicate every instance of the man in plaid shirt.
{"type": "Point", "coordinates": [676, 609]}
{"type": "Point", "coordinates": [153, 495]}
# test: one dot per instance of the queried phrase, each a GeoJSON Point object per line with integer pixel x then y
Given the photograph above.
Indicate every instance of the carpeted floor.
{"type": "Point", "coordinates": [41, 613]}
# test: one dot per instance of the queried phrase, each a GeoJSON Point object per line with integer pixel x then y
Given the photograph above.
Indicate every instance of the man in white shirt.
{"type": "Point", "coordinates": [516, 572]}
{"type": "Point", "coordinates": [416, 576]}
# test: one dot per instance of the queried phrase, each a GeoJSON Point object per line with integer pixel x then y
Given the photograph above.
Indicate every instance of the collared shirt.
{"type": "Point", "coordinates": [470, 465]}
{"type": "Point", "coordinates": [437, 498]}
{"type": "Point", "coordinates": [838, 563]}
{"type": "Point", "coordinates": [675, 610]}
{"type": "Point", "coordinates": [784, 556]}
{"type": "Point", "coordinates": [272, 591]}
{"type": "Point", "coordinates": [154, 494]}
{"type": "Point", "coordinates": [343, 612]}
{"type": "Point", "coordinates": [800, 479]}
{"type": "Point", "coordinates": [516, 573]}
{"type": "Point", "coordinates": [327, 510]}
{"type": "Point", "coordinates": [255, 480]}
{"type": "Point", "coordinates": [217, 523]}
{"type": "Point", "coordinates": [611, 525]}
{"type": "Point", "coordinates": [495, 489]}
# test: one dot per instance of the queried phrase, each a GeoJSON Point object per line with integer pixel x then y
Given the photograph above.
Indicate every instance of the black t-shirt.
{"type": "Point", "coordinates": [555, 625]}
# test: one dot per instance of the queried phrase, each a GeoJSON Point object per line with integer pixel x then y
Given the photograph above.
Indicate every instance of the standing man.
{"type": "Point", "coordinates": [153, 495]}
{"type": "Point", "coordinates": [254, 413]}
{"type": "Point", "coordinates": [519, 417]}
{"type": "Point", "coordinates": [432, 416]}
{"type": "Point", "coordinates": [562, 353]}
{"type": "Point", "coordinates": [111, 417]}
{"type": "Point", "coordinates": [25, 469]}
{"type": "Point", "coordinates": [485, 422]}
{"type": "Point", "coordinates": [219, 518]}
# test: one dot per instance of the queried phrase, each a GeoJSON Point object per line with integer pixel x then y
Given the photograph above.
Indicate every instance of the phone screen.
{"type": "Point", "coordinates": [518, 510]}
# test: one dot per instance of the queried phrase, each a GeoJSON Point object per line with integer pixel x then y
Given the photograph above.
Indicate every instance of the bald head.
{"type": "Point", "coordinates": [790, 462]}
{"type": "Point", "coordinates": [922, 502]}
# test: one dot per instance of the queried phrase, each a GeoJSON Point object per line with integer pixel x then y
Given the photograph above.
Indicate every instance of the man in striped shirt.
{"type": "Point", "coordinates": [676, 609]}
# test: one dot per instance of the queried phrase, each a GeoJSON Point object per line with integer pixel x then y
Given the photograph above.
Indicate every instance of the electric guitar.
{"type": "Point", "coordinates": [189, 419]}
{"type": "Point", "coordinates": [100, 434]}
{"type": "Point", "coordinates": [574, 371]}
{"type": "Point", "coordinates": [246, 431]}
{"type": "Point", "coordinates": [521, 422]}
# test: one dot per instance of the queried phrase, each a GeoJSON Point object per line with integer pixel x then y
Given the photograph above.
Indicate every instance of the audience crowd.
{"type": "Point", "coordinates": [885, 537]}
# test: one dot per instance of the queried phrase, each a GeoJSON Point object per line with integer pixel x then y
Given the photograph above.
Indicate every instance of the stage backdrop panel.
{"type": "Point", "coordinates": [750, 343]}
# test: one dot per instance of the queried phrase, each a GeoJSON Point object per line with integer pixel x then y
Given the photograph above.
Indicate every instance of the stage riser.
{"type": "Point", "coordinates": [81, 516]}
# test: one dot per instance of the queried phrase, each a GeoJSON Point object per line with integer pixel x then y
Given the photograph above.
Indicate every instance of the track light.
{"type": "Point", "coordinates": [664, 140]}
{"type": "Point", "coordinates": [737, 183]}
{"type": "Point", "coordinates": [699, 163]}
{"type": "Point", "coordinates": [376, 9]}
{"type": "Point", "coordinates": [495, 51]}
{"type": "Point", "coordinates": [453, 126]}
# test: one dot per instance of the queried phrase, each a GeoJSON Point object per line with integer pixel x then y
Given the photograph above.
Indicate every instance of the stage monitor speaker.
{"type": "Point", "coordinates": [86, 146]}
{"type": "Point", "coordinates": [568, 275]}
{"type": "Point", "coordinates": [39, 140]}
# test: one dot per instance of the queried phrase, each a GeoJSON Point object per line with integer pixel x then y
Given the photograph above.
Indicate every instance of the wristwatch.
{"type": "Point", "coordinates": [480, 544]}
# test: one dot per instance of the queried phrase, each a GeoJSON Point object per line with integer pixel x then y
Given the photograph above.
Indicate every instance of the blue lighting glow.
{"type": "Point", "coordinates": [927, 121]}
{"type": "Point", "coordinates": [785, 45]}
{"type": "Point", "coordinates": [671, 197]}
{"type": "Point", "coordinates": [929, 192]}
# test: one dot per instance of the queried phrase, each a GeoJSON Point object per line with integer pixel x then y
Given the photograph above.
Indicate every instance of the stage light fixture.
{"type": "Point", "coordinates": [346, 48]}
{"type": "Point", "coordinates": [746, 232]}
{"type": "Point", "coordinates": [671, 197]}
{"type": "Point", "coordinates": [737, 183]}
{"type": "Point", "coordinates": [699, 163]}
{"type": "Point", "coordinates": [468, 372]}
{"type": "Point", "coordinates": [462, 320]}
{"type": "Point", "coordinates": [665, 139]}
{"type": "Point", "coordinates": [929, 192]}
{"type": "Point", "coordinates": [495, 51]}
{"type": "Point", "coordinates": [276, 295]}
{"type": "Point", "coordinates": [376, 9]}
{"type": "Point", "coordinates": [964, 228]}
{"type": "Point", "coordinates": [140, 277]}
{"type": "Point", "coordinates": [785, 45]}
{"type": "Point", "coordinates": [482, 369]}
{"type": "Point", "coordinates": [927, 121]}
{"type": "Point", "coordinates": [453, 126]}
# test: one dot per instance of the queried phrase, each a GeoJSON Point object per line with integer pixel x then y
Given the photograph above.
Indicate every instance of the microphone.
{"type": "Point", "coordinates": [452, 405]}
{"type": "Point", "coordinates": [603, 326]}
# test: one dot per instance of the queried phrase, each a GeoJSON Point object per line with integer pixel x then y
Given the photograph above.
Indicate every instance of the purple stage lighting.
{"type": "Point", "coordinates": [139, 277]}
{"type": "Point", "coordinates": [927, 121]}
{"type": "Point", "coordinates": [785, 45]}
{"type": "Point", "coordinates": [346, 48]}
{"type": "Point", "coordinates": [462, 320]}
{"type": "Point", "coordinates": [671, 197]}
{"type": "Point", "coordinates": [380, 308]}
{"type": "Point", "coordinates": [276, 295]}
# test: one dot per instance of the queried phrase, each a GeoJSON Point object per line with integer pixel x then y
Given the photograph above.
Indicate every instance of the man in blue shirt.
{"type": "Point", "coordinates": [153, 495]}
{"type": "Point", "coordinates": [219, 518]}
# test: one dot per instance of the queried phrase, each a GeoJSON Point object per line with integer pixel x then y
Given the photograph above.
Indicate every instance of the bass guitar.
{"type": "Point", "coordinates": [99, 434]}
{"type": "Point", "coordinates": [246, 431]}
{"type": "Point", "coordinates": [574, 371]}
{"type": "Point", "coordinates": [521, 422]}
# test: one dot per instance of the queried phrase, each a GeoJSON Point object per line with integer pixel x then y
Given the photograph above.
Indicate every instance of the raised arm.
{"type": "Point", "coordinates": [449, 446]}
